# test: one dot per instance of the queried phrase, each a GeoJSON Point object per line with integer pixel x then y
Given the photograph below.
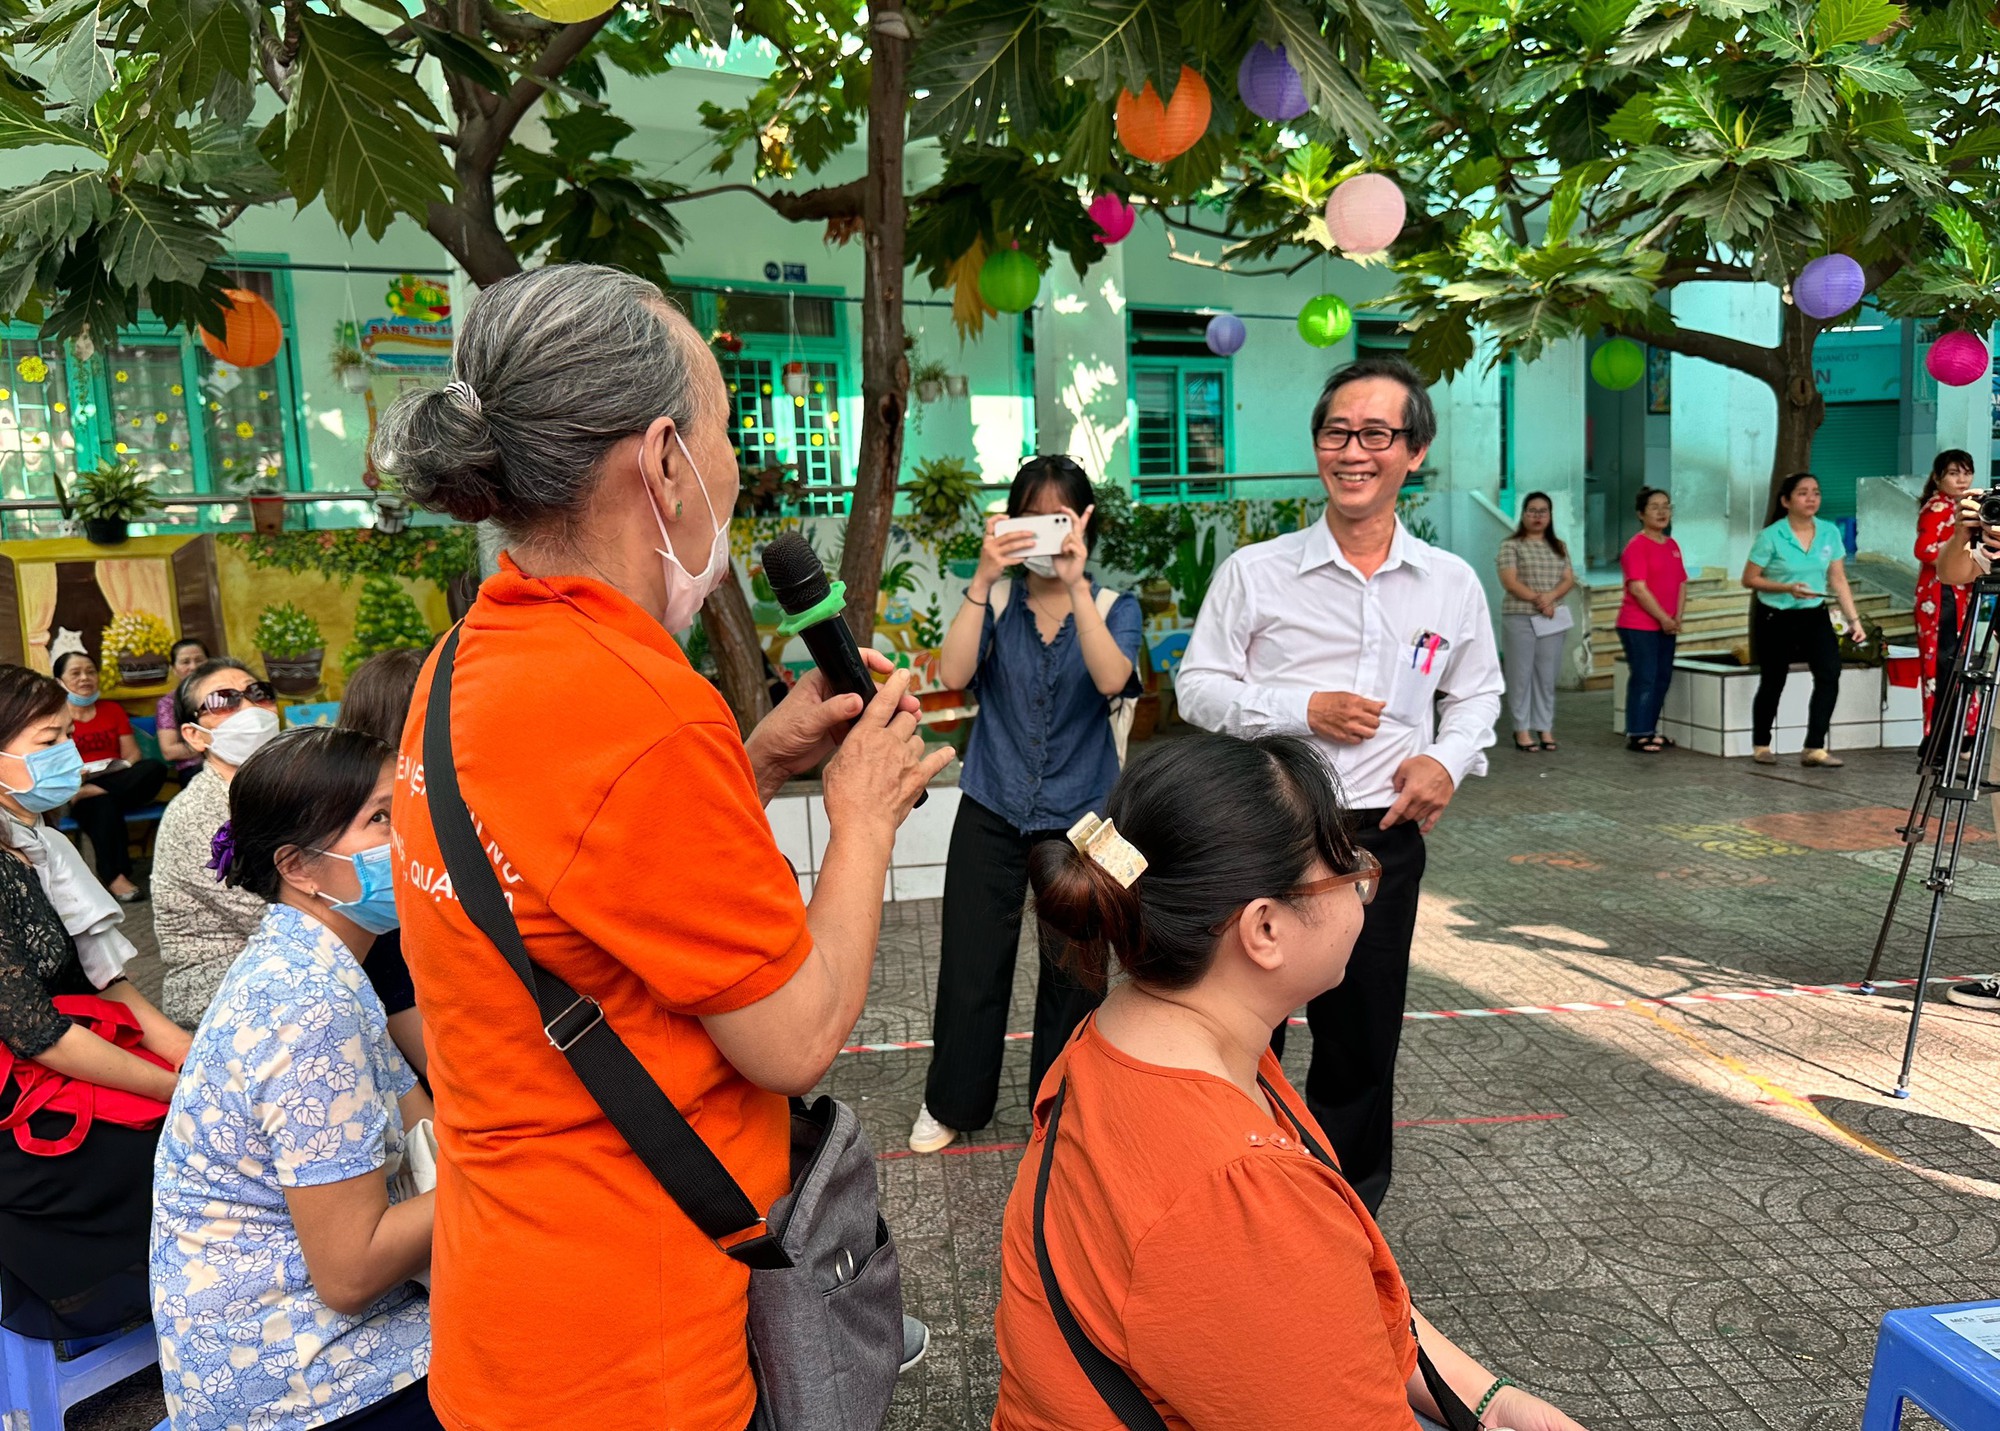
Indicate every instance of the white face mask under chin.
{"type": "Point", "coordinates": [686, 593]}
{"type": "Point", "coordinates": [1039, 565]}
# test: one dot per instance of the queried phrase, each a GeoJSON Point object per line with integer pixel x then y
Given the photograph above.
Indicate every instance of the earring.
{"type": "Point", "coordinates": [677, 510]}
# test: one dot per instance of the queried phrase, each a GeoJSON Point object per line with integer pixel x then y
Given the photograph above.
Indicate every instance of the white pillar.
{"type": "Point", "coordinates": [1725, 427]}
{"type": "Point", "coordinates": [1081, 388]}
{"type": "Point", "coordinates": [1549, 426]}
{"type": "Point", "coordinates": [1965, 419]}
{"type": "Point", "coordinates": [1466, 456]}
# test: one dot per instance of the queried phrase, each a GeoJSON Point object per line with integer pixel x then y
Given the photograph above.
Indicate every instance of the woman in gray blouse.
{"type": "Point", "coordinates": [1536, 575]}
{"type": "Point", "coordinates": [226, 714]}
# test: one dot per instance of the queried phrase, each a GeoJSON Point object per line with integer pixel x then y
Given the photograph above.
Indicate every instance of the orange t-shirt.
{"type": "Point", "coordinates": [1233, 1276]}
{"type": "Point", "coordinates": [620, 810]}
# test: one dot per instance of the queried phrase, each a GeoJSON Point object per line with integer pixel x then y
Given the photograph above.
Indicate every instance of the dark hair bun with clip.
{"type": "Point", "coordinates": [1079, 899]}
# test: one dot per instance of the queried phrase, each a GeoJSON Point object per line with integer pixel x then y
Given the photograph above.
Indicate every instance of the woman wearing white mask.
{"type": "Point", "coordinates": [224, 714]}
{"type": "Point", "coordinates": [624, 817]}
{"type": "Point", "coordinates": [75, 1200]}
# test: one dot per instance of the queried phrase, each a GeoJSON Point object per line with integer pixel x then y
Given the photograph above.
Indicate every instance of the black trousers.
{"type": "Point", "coordinates": [102, 817]}
{"type": "Point", "coordinates": [405, 1410]}
{"type": "Point", "coordinates": [1358, 1025]}
{"type": "Point", "coordinates": [985, 883]}
{"type": "Point", "coordinates": [1804, 633]}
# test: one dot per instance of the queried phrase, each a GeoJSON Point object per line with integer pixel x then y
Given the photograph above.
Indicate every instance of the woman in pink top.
{"type": "Point", "coordinates": [1650, 619]}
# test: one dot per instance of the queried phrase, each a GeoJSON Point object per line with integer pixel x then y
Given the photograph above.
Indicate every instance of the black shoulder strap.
{"type": "Point", "coordinates": [574, 1023]}
{"type": "Point", "coordinates": [1120, 1392]}
{"type": "Point", "coordinates": [1457, 1415]}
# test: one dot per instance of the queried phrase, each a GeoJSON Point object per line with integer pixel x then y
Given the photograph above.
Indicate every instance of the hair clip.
{"type": "Point", "coordinates": [222, 850]}
{"type": "Point", "coordinates": [460, 391]}
{"type": "Point", "coordinates": [1100, 841]}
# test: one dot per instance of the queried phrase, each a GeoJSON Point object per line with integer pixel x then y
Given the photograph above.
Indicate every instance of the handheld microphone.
{"type": "Point", "coordinates": [813, 611]}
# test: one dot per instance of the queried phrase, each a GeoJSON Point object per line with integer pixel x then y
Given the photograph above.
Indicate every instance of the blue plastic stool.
{"type": "Point", "coordinates": [1920, 1359]}
{"type": "Point", "coordinates": [36, 1389]}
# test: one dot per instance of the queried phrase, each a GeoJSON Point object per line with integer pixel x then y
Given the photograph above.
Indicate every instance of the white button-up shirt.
{"type": "Point", "coordinates": [1290, 617]}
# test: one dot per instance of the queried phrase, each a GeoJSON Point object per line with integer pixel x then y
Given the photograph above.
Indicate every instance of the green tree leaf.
{"type": "Point", "coordinates": [717, 19]}
{"type": "Point", "coordinates": [462, 56]}
{"type": "Point", "coordinates": [152, 238]}
{"type": "Point", "coordinates": [198, 42]}
{"type": "Point", "coordinates": [1336, 96]}
{"type": "Point", "coordinates": [18, 131]}
{"type": "Point", "coordinates": [1120, 44]}
{"type": "Point", "coordinates": [81, 68]}
{"type": "Point", "coordinates": [356, 130]}
{"type": "Point", "coordinates": [1849, 22]}
{"type": "Point", "coordinates": [59, 209]}
{"type": "Point", "coordinates": [1655, 172]}
{"type": "Point", "coordinates": [980, 61]}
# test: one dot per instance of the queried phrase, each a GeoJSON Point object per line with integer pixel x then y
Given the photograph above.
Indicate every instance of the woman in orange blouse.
{"type": "Point", "coordinates": [1193, 1224]}
{"type": "Point", "coordinates": [1940, 609]}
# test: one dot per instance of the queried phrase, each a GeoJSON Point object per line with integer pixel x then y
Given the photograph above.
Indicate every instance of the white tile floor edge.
{"type": "Point", "coordinates": [916, 868]}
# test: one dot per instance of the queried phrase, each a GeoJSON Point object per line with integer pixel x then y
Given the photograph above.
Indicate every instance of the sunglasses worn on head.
{"type": "Point", "coordinates": [256, 692]}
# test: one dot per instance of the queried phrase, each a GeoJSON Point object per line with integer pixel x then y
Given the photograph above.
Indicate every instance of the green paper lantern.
{"type": "Point", "coordinates": [1325, 320]}
{"type": "Point", "coordinates": [1618, 364]}
{"type": "Point", "coordinates": [1009, 281]}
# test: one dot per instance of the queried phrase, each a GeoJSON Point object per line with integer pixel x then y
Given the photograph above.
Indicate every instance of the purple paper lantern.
{"type": "Point", "coordinates": [1113, 216]}
{"type": "Point", "coordinates": [1957, 359]}
{"type": "Point", "coordinates": [1225, 334]}
{"type": "Point", "coordinates": [1829, 286]}
{"type": "Point", "coordinates": [1269, 84]}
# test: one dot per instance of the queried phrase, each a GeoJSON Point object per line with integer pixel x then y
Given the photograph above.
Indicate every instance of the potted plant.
{"type": "Point", "coordinates": [392, 508]}
{"type": "Point", "coordinates": [940, 489]}
{"type": "Point", "coordinates": [67, 525]}
{"type": "Point", "coordinates": [1138, 540]}
{"type": "Point", "coordinates": [769, 491]}
{"type": "Point", "coordinates": [957, 385]}
{"type": "Point", "coordinates": [928, 378]}
{"type": "Point", "coordinates": [293, 647]}
{"type": "Point", "coordinates": [959, 552]}
{"type": "Point", "coordinates": [135, 645]}
{"type": "Point", "coordinates": [109, 498]}
{"type": "Point", "coordinates": [350, 366]}
{"type": "Point", "coordinates": [385, 619]}
{"type": "Point", "coordinates": [265, 484]}
{"type": "Point", "coordinates": [1193, 564]}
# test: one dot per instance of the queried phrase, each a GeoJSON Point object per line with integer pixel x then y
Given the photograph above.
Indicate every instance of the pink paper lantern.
{"type": "Point", "coordinates": [1829, 286]}
{"type": "Point", "coordinates": [1957, 359]}
{"type": "Point", "coordinates": [1269, 84]}
{"type": "Point", "coordinates": [1364, 214]}
{"type": "Point", "coordinates": [1113, 216]}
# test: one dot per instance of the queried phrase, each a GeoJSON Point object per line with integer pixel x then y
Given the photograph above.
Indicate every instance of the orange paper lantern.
{"type": "Point", "coordinates": [1157, 131]}
{"type": "Point", "coordinates": [251, 333]}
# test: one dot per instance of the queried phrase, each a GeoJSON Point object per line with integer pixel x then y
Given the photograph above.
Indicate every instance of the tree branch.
{"type": "Point", "coordinates": [560, 52]}
{"type": "Point", "coordinates": [1764, 364]}
{"type": "Point", "coordinates": [1705, 273]}
{"type": "Point", "coordinates": [837, 201]}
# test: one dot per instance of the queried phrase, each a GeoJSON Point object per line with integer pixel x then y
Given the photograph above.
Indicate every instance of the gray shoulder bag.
{"type": "Point", "coordinates": [826, 1289]}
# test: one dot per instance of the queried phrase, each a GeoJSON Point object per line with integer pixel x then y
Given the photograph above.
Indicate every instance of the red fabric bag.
{"type": "Point", "coordinates": [43, 1090]}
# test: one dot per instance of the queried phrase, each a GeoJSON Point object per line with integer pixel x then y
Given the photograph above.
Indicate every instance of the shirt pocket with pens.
{"type": "Point", "coordinates": [1416, 667]}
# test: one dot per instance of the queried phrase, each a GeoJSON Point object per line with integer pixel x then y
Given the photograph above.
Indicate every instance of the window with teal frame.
{"type": "Point", "coordinates": [157, 397]}
{"type": "Point", "coordinates": [1181, 424]}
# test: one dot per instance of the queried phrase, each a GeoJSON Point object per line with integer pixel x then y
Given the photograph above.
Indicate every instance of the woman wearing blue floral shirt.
{"type": "Point", "coordinates": [1045, 665]}
{"type": "Point", "coordinates": [283, 1247]}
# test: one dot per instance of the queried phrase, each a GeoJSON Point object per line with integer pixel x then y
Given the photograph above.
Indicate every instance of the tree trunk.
{"type": "Point", "coordinates": [739, 655]}
{"type": "Point", "coordinates": [885, 367]}
{"type": "Point", "coordinates": [1801, 408]}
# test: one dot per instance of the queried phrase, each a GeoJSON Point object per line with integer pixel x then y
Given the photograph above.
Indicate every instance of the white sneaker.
{"type": "Point", "coordinates": [1980, 994]}
{"type": "Point", "coordinates": [927, 1135]}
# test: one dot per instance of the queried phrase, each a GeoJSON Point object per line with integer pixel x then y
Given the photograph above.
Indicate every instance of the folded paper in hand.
{"type": "Point", "coordinates": [1550, 625]}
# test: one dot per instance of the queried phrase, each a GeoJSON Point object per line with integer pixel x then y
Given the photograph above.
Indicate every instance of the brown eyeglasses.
{"type": "Point", "coordinates": [1366, 879]}
{"type": "Point", "coordinates": [256, 692]}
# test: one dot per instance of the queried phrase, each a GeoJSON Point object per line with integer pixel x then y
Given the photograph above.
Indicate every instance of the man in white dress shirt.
{"type": "Point", "coordinates": [1379, 647]}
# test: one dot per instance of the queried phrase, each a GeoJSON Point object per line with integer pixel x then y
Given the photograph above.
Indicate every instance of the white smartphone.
{"type": "Point", "coordinates": [1049, 532]}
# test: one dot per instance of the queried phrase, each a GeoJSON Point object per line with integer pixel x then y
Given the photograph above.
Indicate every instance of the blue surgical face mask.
{"type": "Point", "coordinates": [54, 775]}
{"type": "Point", "coordinates": [80, 701]}
{"type": "Point", "coordinates": [375, 908]}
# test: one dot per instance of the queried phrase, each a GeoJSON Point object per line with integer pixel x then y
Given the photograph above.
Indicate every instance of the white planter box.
{"type": "Point", "coordinates": [1707, 709]}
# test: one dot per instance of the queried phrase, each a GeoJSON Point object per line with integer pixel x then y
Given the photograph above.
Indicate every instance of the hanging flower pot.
{"type": "Point", "coordinates": [1158, 130]}
{"type": "Point", "coordinates": [1618, 364]}
{"type": "Point", "coordinates": [1365, 213]}
{"type": "Point", "coordinates": [1325, 320]}
{"type": "Point", "coordinates": [1113, 216]}
{"type": "Point", "coordinates": [1225, 334]}
{"type": "Point", "coordinates": [355, 380]}
{"type": "Point", "coordinates": [1269, 85]}
{"type": "Point", "coordinates": [267, 512]}
{"type": "Point", "coordinates": [958, 385]}
{"type": "Point", "coordinates": [392, 515]}
{"type": "Point", "coordinates": [1009, 281]}
{"type": "Point", "coordinates": [1958, 359]}
{"type": "Point", "coordinates": [251, 334]}
{"type": "Point", "coordinates": [795, 380]}
{"type": "Point", "coordinates": [929, 389]}
{"type": "Point", "coordinates": [1829, 286]}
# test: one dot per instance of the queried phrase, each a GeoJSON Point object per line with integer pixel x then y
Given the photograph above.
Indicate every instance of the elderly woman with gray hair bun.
{"type": "Point", "coordinates": [624, 819]}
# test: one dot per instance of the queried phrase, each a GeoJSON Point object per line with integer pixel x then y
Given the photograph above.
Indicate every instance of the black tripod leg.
{"type": "Point", "coordinates": [1940, 886]}
{"type": "Point", "coordinates": [1913, 836]}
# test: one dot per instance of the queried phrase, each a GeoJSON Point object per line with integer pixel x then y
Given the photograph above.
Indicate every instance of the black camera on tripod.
{"type": "Point", "coordinates": [1989, 508]}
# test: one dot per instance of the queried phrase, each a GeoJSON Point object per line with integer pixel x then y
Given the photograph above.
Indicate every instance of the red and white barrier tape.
{"type": "Point", "coordinates": [1728, 996]}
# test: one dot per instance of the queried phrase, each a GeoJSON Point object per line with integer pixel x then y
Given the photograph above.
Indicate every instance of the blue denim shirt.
{"type": "Point", "coordinates": [1041, 754]}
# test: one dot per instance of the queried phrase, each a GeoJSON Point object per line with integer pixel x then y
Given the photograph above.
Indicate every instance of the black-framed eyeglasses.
{"type": "Point", "coordinates": [1373, 439]}
{"type": "Point", "coordinates": [255, 692]}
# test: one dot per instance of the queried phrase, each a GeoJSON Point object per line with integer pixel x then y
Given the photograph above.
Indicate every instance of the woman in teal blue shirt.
{"type": "Point", "coordinates": [1794, 563]}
